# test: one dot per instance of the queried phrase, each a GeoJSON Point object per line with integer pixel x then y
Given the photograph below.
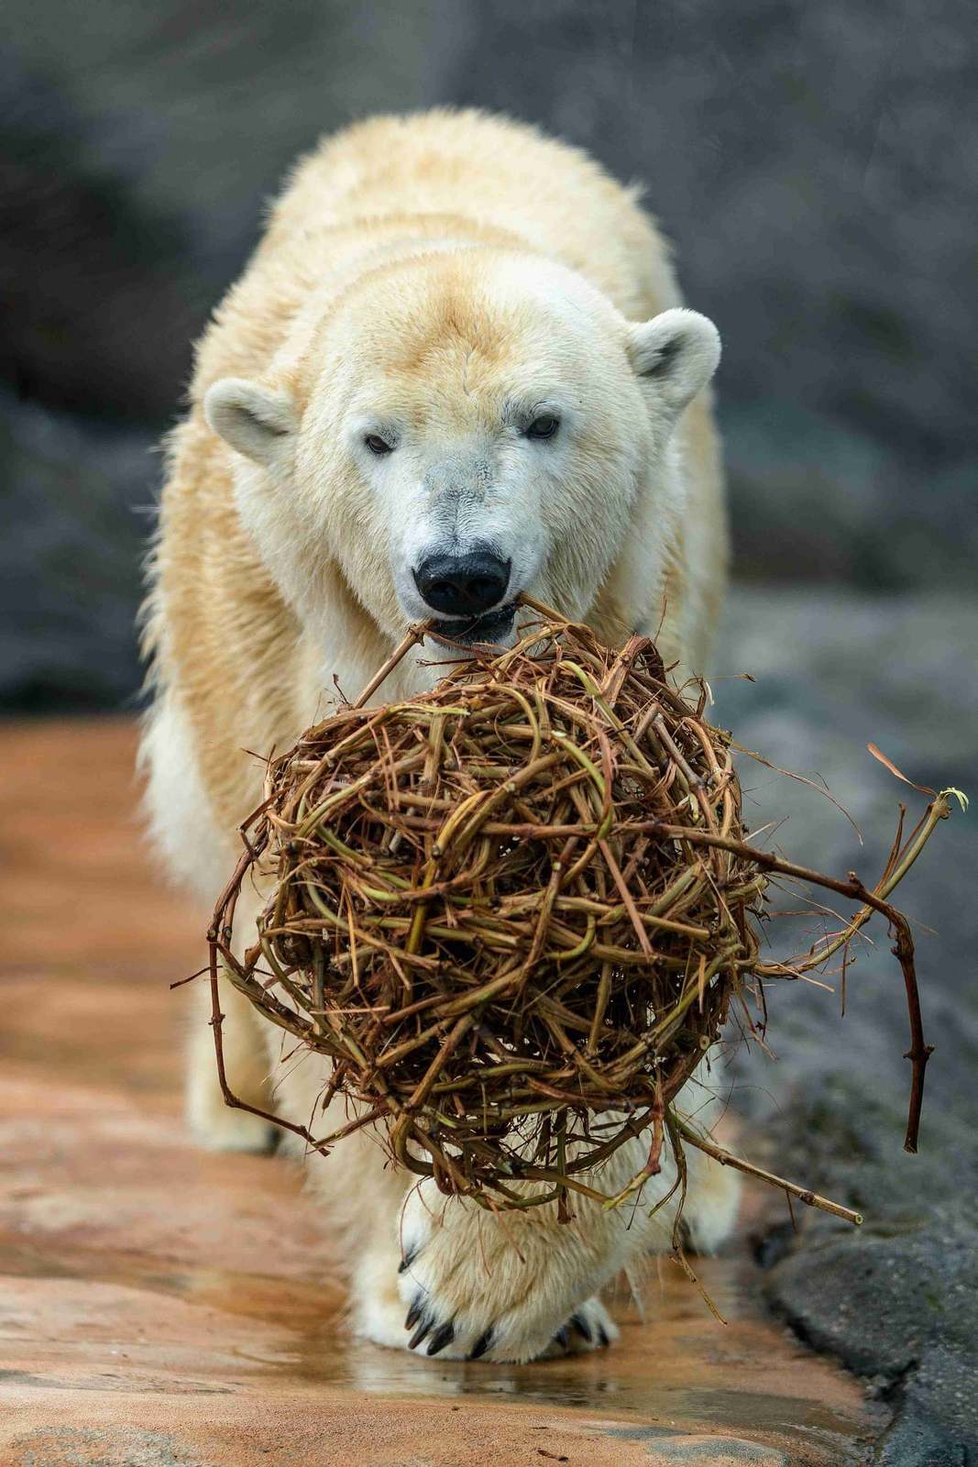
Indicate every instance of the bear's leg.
{"type": "Point", "coordinates": [514, 1285]}
{"type": "Point", "coordinates": [212, 1123]}
{"type": "Point", "coordinates": [359, 1192]}
{"type": "Point", "coordinates": [389, 1303]}
{"type": "Point", "coordinates": [443, 1275]}
{"type": "Point", "coordinates": [518, 1285]}
{"type": "Point", "coordinates": [199, 856]}
{"type": "Point", "coordinates": [712, 1203]}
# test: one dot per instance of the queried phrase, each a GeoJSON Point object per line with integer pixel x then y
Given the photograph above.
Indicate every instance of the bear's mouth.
{"type": "Point", "coordinates": [492, 626]}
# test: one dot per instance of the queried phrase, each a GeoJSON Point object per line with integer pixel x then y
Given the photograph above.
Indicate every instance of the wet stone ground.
{"type": "Point", "coordinates": [166, 1308]}
{"type": "Point", "coordinates": [897, 1299]}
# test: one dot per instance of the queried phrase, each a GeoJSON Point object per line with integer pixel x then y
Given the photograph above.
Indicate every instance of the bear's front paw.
{"type": "Point", "coordinates": [510, 1287]}
{"type": "Point", "coordinates": [514, 1336]}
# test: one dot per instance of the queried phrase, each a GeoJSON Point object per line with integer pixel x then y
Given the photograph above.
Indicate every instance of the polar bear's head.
{"type": "Point", "coordinates": [452, 431]}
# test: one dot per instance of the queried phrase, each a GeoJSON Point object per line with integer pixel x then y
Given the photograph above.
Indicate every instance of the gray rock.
{"type": "Point", "coordinates": [896, 1300]}
{"type": "Point", "coordinates": [140, 148]}
{"type": "Point", "coordinates": [813, 499]}
{"type": "Point", "coordinates": [816, 166]}
{"type": "Point", "coordinates": [101, 300]}
{"type": "Point", "coordinates": [77, 496]}
{"type": "Point", "coordinates": [912, 1442]}
{"type": "Point", "coordinates": [835, 672]}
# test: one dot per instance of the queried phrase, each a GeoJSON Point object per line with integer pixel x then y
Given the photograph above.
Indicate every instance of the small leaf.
{"type": "Point", "coordinates": [959, 795]}
{"type": "Point", "coordinates": [922, 789]}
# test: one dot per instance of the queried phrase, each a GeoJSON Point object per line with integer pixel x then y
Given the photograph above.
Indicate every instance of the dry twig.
{"type": "Point", "coordinates": [513, 913]}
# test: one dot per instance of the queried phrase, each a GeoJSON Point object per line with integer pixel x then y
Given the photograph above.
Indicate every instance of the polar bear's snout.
{"type": "Point", "coordinates": [463, 585]}
{"type": "Point", "coordinates": [464, 555]}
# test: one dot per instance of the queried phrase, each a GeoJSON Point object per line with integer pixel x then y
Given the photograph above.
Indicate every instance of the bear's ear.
{"type": "Point", "coordinates": [677, 353]}
{"type": "Point", "coordinates": [256, 421]}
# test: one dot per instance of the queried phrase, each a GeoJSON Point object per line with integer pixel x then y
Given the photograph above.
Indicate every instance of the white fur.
{"type": "Point", "coordinates": [182, 822]}
{"type": "Point", "coordinates": [285, 561]}
{"type": "Point", "coordinates": [457, 479]}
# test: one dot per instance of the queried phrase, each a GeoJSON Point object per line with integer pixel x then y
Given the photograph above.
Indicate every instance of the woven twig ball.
{"type": "Point", "coordinates": [485, 911]}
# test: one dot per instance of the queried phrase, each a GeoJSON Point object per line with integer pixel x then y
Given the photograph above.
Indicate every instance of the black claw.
{"type": "Point", "coordinates": [578, 1322]}
{"type": "Point", "coordinates": [414, 1313]}
{"type": "Point", "coordinates": [441, 1338]}
{"type": "Point", "coordinates": [562, 1337]}
{"type": "Point", "coordinates": [603, 1336]}
{"type": "Point", "coordinates": [481, 1345]}
{"type": "Point", "coordinates": [407, 1260]}
{"type": "Point", "coordinates": [423, 1330]}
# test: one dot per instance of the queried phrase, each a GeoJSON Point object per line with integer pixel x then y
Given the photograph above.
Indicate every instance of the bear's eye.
{"type": "Point", "coordinates": [378, 445]}
{"type": "Point", "coordinates": [543, 427]}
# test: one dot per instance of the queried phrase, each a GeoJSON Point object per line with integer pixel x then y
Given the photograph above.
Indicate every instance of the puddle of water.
{"type": "Point", "coordinates": [590, 1382]}
{"type": "Point", "coordinates": [315, 1348]}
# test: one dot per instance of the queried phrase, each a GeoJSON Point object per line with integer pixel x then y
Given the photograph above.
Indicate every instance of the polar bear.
{"type": "Point", "coordinates": [457, 368]}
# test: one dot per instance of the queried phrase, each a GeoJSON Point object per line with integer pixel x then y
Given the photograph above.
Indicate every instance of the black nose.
{"type": "Point", "coordinates": [462, 585]}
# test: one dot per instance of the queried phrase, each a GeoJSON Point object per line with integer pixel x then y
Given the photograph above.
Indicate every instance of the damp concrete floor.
{"type": "Point", "coordinates": [161, 1307]}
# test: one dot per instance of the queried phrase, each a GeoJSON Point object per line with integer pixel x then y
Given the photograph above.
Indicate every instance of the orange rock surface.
{"type": "Point", "coordinates": [162, 1307]}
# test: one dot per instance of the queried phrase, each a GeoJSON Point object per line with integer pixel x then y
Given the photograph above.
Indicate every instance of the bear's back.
{"type": "Point", "coordinates": [498, 175]}
{"type": "Point", "coordinates": [384, 186]}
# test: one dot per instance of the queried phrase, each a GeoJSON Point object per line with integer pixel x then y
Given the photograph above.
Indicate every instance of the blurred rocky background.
{"type": "Point", "coordinates": [816, 166]}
